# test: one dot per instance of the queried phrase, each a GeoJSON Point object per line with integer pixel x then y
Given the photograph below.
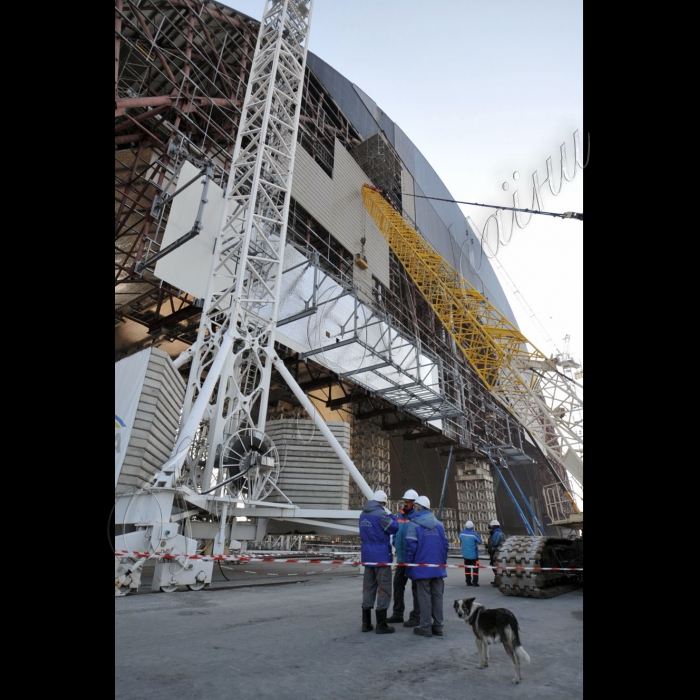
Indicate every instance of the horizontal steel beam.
{"type": "Point", "coordinates": [362, 415]}
{"type": "Point", "coordinates": [343, 400]}
{"type": "Point", "coordinates": [175, 317]}
{"type": "Point", "coordinates": [319, 383]}
{"type": "Point", "coordinates": [421, 435]}
{"type": "Point", "coordinates": [364, 369]}
{"type": "Point", "coordinates": [128, 102]}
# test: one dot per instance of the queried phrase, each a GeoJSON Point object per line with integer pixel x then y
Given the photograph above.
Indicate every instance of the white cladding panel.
{"type": "Point", "coordinates": [189, 266]}
{"type": "Point", "coordinates": [336, 203]}
{"type": "Point", "coordinates": [408, 188]}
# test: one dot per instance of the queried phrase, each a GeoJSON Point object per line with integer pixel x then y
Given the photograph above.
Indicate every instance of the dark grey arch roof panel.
{"type": "Point", "coordinates": [343, 92]}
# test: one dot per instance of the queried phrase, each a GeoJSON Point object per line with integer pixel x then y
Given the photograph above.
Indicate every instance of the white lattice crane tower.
{"type": "Point", "coordinates": [229, 380]}
{"type": "Point", "coordinates": [222, 456]}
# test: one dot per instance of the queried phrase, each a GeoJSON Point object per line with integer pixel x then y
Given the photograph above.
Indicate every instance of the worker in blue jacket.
{"type": "Point", "coordinates": [495, 540]}
{"type": "Point", "coordinates": [426, 543]}
{"type": "Point", "coordinates": [470, 542]}
{"type": "Point", "coordinates": [377, 524]}
{"type": "Point", "coordinates": [400, 575]}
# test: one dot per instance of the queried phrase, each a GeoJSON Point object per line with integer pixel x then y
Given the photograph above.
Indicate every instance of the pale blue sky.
{"type": "Point", "coordinates": [483, 89]}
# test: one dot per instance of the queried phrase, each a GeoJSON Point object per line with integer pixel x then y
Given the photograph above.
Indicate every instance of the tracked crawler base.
{"type": "Point", "coordinates": [546, 552]}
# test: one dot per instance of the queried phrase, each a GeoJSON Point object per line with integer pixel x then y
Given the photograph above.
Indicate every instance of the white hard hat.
{"type": "Point", "coordinates": [494, 523]}
{"type": "Point", "coordinates": [423, 501]}
{"type": "Point", "coordinates": [410, 495]}
{"type": "Point", "coordinates": [379, 496]}
{"type": "Point", "coordinates": [469, 524]}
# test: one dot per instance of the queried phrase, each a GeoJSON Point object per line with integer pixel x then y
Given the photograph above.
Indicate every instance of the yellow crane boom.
{"type": "Point", "coordinates": [524, 380]}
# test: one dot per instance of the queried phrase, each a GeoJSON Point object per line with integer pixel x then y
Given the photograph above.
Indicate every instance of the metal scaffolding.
{"type": "Point", "coordinates": [182, 68]}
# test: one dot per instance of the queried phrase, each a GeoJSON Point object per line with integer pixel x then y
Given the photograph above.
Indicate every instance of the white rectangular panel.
{"type": "Point", "coordinates": [189, 266]}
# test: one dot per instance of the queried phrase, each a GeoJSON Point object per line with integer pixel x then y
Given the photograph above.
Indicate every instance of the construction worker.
{"type": "Point", "coordinates": [470, 542]}
{"type": "Point", "coordinates": [400, 575]}
{"type": "Point", "coordinates": [377, 524]}
{"type": "Point", "coordinates": [496, 539]}
{"type": "Point", "coordinates": [426, 543]}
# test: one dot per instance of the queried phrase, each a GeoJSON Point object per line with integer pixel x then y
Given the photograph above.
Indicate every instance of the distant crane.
{"type": "Point", "coordinates": [567, 363]}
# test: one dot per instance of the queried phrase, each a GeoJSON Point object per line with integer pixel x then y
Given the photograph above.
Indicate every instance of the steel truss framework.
{"type": "Point", "coordinates": [526, 382]}
{"type": "Point", "coordinates": [428, 381]}
{"type": "Point", "coordinates": [181, 71]}
{"type": "Point", "coordinates": [205, 50]}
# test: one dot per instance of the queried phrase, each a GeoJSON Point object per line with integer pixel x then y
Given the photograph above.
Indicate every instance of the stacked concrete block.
{"type": "Point", "coordinates": [370, 454]}
{"type": "Point", "coordinates": [155, 427]}
{"type": "Point", "coordinates": [475, 495]}
{"type": "Point", "coordinates": [312, 475]}
{"type": "Point", "coordinates": [449, 522]}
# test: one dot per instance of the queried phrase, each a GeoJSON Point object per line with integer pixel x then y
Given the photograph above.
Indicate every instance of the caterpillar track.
{"type": "Point", "coordinates": [539, 551]}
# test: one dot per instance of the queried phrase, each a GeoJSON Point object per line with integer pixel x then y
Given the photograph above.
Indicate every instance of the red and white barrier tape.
{"type": "Point", "coordinates": [474, 566]}
{"type": "Point", "coordinates": [273, 560]}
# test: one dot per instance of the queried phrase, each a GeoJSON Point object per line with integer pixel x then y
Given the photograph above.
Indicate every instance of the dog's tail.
{"type": "Point", "coordinates": [522, 654]}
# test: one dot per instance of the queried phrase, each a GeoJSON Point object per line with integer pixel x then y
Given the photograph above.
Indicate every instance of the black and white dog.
{"type": "Point", "coordinates": [491, 626]}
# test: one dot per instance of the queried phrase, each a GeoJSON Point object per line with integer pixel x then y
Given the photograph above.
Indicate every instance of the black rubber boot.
{"type": "Point", "coordinates": [367, 620]}
{"type": "Point", "coordinates": [395, 618]}
{"type": "Point", "coordinates": [382, 627]}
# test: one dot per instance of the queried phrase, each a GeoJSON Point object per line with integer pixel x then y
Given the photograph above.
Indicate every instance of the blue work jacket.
{"type": "Point", "coordinates": [470, 542]}
{"type": "Point", "coordinates": [376, 527]}
{"type": "Point", "coordinates": [426, 543]}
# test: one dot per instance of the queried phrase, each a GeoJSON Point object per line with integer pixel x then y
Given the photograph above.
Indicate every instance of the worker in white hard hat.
{"type": "Point", "coordinates": [400, 578]}
{"type": "Point", "coordinates": [426, 543]}
{"type": "Point", "coordinates": [377, 525]}
{"type": "Point", "coordinates": [495, 540]}
{"type": "Point", "coordinates": [470, 541]}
